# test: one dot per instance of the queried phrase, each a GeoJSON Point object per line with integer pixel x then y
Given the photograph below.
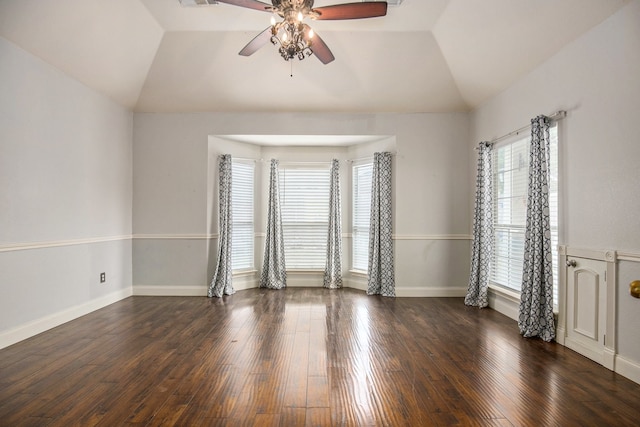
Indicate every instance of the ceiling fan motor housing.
{"type": "Point", "coordinates": [298, 4]}
{"type": "Point", "coordinates": [289, 9]}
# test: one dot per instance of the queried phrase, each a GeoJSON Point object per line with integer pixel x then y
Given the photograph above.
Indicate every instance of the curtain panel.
{"type": "Point", "coordinates": [536, 299]}
{"type": "Point", "coordinates": [333, 268]}
{"type": "Point", "coordinates": [381, 280]}
{"type": "Point", "coordinates": [274, 273]}
{"type": "Point", "coordinates": [482, 246]}
{"type": "Point", "coordinates": [221, 284]}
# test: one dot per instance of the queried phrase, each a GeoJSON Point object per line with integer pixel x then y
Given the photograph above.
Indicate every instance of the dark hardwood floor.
{"type": "Point", "coordinates": [303, 357]}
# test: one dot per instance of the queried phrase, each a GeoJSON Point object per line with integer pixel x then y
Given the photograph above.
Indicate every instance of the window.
{"type": "Point", "coordinates": [361, 175]}
{"type": "Point", "coordinates": [510, 180]}
{"type": "Point", "coordinates": [304, 205]}
{"type": "Point", "coordinates": [242, 205]}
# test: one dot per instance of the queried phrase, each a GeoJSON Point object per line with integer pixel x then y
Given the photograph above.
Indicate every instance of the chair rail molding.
{"type": "Point", "coordinates": [23, 246]}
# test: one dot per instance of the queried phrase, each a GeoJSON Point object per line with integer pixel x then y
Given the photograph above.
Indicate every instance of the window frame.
{"type": "Point", "coordinates": [360, 220]}
{"type": "Point", "coordinates": [239, 217]}
{"type": "Point", "coordinates": [554, 199]}
{"type": "Point", "coordinates": [318, 230]}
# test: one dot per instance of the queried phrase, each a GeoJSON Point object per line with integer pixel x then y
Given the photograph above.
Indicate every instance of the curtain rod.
{"type": "Point", "coordinates": [242, 159]}
{"type": "Point", "coordinates": [559, 115]}
{"type": "Point", "coordinates": [293, 162]}
{"type": "Point", "coordinates": [328, 162]}
{"type": "Point", "coordinates": [393, 153]}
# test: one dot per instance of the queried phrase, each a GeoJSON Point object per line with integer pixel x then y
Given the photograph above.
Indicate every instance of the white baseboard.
{"type": "Point", "coordinates": [406, 292]}
{"type": "Point", "coordinates": [609, 359]}
{"type": "Point", "coordinates": [170, 291]}
{"type": "Point", "coordinates": [45, 323]}
{"type": "Point", "coordinates": [430, 292]}
{"type": "Point", "coordinates": [628, 369]}
{"type": "Point", "coordinates": [241, 283]}
{"type": "Point", "coordinates": [504, 303]}
{"type": "Point", "coordinates": [595, 354]}
{"type": "Point", "coordinates": [356, 284]}
{"type": "Point", "coordinates": [304, 281]}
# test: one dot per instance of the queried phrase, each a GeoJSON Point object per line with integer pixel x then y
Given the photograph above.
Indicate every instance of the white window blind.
{"type": "Point", "coordinates": [361, 175]}
{"type": "Point", "coordinates": [242, 241]}
{"type": "Point", "coordinates": [304, 205]}
{"type": "Point", "coordinates": [510, 180]}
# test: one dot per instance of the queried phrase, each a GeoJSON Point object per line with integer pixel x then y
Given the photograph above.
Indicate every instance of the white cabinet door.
{"type": "Point", "coordinates": [586, 306]}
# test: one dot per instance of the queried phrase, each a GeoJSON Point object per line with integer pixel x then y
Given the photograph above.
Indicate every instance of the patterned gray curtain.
{"type": "Point", "coordinates": [536, 299]}
{"type": "Point", "coordinates": [482, 249]}
{"type": "Point", "coordinates": [381, 270]}
{"type": "Point", "coordinates": [333, 268]}
{"type": "Point", "coordinates": [274, 273]}
{"type": "Point", "coordinates": [222, 278]}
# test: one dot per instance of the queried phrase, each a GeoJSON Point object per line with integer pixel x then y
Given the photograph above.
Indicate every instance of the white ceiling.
{"type": "Point", "coordinates": [424, 56]}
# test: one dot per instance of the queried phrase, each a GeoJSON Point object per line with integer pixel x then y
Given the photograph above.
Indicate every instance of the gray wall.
{"type": "Point", "coordinates": [67, 153]}
{"type": "Point", "coordinates": [65, 197]}
{"type": "Point", "coordinates": [172, 184]}
{"type": "Point", "coordinates": [596, 79]}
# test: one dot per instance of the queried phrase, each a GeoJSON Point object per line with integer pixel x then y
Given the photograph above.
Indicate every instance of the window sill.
{"type": "Point", "coordinates": [242, 273]}
{"type": "Point", "coordinates": [514, 296]}
{"type": "Point", "coordinates": [505, 293]}
{"type": "Point", "coordinates": [359, 273]}
{"type": "Point", "coordinates": [304, 271]}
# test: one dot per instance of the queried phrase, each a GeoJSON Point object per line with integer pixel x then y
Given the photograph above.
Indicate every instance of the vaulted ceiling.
{"type": "Point", "coordinates": [424, 56]}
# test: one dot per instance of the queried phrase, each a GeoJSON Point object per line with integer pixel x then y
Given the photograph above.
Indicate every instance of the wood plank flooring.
{"type": "Point", "coordinates": [303, 357]}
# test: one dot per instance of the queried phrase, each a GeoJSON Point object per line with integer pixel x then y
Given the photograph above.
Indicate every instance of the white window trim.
{"type": "Point", "coordinates": [284, 166]}
{"type": "Point", "coordinates": [252, 268]}
{"type": "Point", "coordinates": [359, 273]}
{"type": "Point", "coordinates": [242, 273]}
{"type": "Point", "coordinates": [512, 294]}
{"type": "Point", "coordinates": [355, 164]}
{"type": "Point", "coordinates": [509, 293]}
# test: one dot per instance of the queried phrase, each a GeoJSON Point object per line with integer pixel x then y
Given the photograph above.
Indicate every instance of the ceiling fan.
{"type": "Point", "coordinates": [295, 38]}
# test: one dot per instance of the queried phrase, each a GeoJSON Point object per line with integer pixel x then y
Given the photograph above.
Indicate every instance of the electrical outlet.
{"type": "Point", "coordinates": [103, 277]}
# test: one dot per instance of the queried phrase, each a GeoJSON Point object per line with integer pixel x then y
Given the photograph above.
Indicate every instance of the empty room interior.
{"type": "Point", "coordinates": [336, 226]}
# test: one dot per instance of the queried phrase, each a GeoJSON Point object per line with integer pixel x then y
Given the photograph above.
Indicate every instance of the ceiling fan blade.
{"type": "Point", "coordinates": [319, 47]}
{"type": "Point", "coordinates": [250, 4]}
{"type": "Point", "coordinates": [367, 9]}
{"type": "Point", "coordinates": [257, 42]}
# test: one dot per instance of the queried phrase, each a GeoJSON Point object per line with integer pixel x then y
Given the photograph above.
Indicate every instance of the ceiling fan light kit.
{"type": "Point", "coordinates": [295, 38]}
